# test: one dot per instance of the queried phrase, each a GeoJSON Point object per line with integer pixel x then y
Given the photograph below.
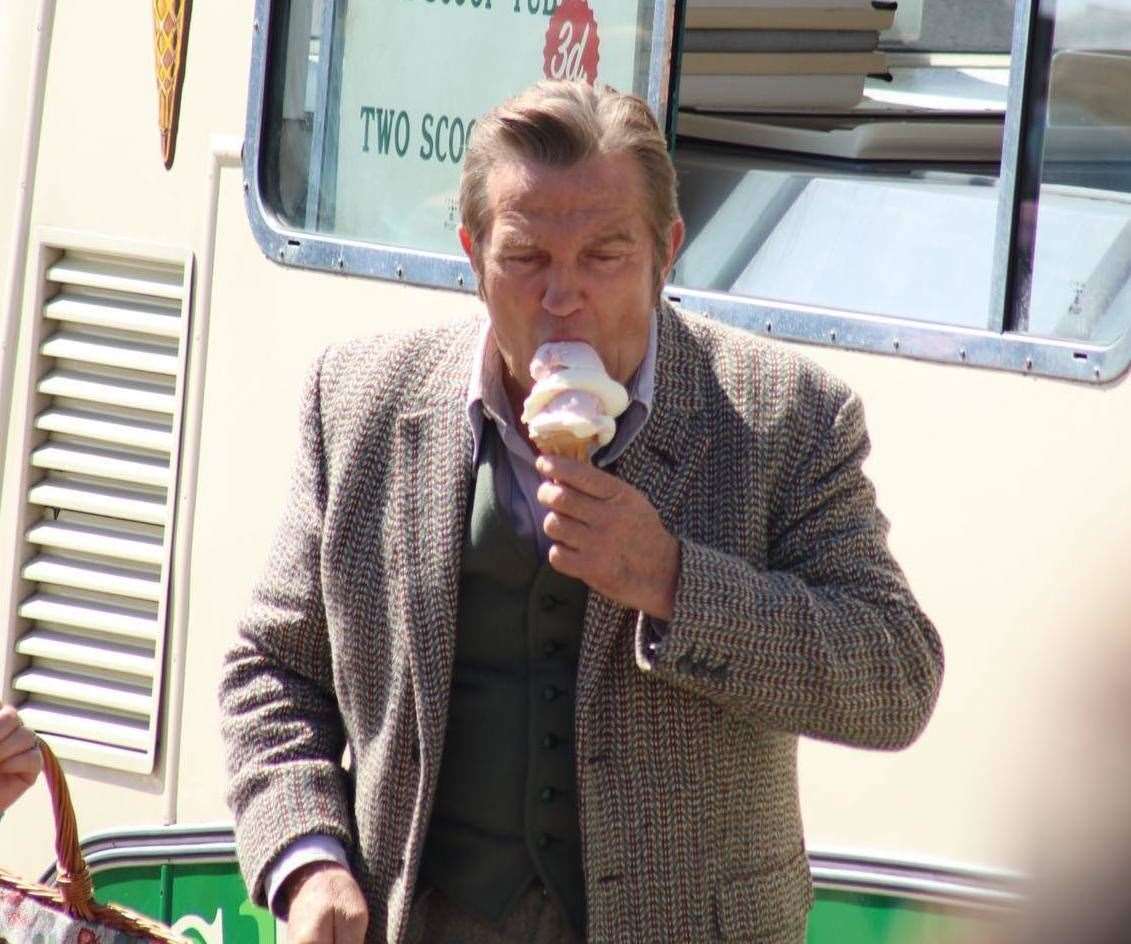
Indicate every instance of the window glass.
{"type": "Point", "coordinates": [1081, 280]}
{"type": "Point", "coordinates": [370, 104]}
{"type": "Point", "coordinates": [846, 155]}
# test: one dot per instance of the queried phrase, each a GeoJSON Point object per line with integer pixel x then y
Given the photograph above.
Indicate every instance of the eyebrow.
{"type": "Point", "coordinates": [619, 236]}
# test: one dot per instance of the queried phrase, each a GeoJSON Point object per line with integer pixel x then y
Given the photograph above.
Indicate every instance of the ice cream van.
{"type": "Point", "coordinates": [932, 198]}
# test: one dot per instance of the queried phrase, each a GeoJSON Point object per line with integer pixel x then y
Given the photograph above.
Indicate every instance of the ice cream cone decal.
{"type": "Point", "coordinates": [170, 33]}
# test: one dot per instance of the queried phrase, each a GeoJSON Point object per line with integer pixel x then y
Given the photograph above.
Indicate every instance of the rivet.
{"type": "Point", "coordinates": [341, 262]}
{"type": "Point", "coordinates": [1028, 363]}
{"type": "Point", "coordinates": [400, 272]}
{"type": "Point", "coordinates": [1097, 373]}
{"type": "Point", "coordinates": [459, 280]}
{"type": "Point", "coordinates": [769, 326]}
{"type": "Point", "coordinates": [255, 26]}
{"type": "Point", "coordinates": [282, 253]}
{"type": "Point", "coordinates": [895, 344]}
{"type": "Point", "coordinates": [832, 335]}
{"type": "Point", "coordinates": [246, 186]}
{"type": "Point", "coordinates": [962, 353]}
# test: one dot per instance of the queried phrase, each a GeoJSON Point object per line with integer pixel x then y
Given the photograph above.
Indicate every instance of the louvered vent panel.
{"type": "Point", "coordinates": [103, 464]}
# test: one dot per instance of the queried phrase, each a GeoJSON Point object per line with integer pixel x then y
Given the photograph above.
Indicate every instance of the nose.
{"type": "Point", "coordinates": [562, 295]}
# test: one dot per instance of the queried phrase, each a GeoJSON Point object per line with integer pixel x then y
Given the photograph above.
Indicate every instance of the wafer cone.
{"type": "Point", "coordinates": [563, 444]}
{"type": "Point", "coordinates": [170, 30]}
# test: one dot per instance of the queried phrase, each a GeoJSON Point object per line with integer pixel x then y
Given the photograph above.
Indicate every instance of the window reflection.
{"type": "Point", "coordinates": [1082, 251]}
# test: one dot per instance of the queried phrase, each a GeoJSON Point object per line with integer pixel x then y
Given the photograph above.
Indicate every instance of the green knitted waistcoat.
{"type": "Point", "coordinates": [506, 802]}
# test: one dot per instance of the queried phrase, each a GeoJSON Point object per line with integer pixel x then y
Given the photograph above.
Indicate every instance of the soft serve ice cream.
{"type": "Point", "coordinates": [572, 409]}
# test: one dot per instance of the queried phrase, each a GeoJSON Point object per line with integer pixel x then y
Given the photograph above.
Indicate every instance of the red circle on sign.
{"type": "Point", "coordinates": [571, 43]}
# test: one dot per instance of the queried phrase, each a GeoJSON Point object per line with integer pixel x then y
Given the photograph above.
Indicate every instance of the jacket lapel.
{"type": "Point", "coordinates": [432, 453]}
{"type": "Point", "coordinates": [661, 461]}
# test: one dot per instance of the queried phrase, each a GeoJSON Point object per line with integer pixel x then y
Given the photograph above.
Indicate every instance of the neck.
{"type": "Point", "coordinates": [516, 396]}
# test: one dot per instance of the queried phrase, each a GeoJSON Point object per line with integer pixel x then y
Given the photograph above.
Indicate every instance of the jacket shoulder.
{"type": "Point", "coordinates": [391, 372]}
{"type": "Point", "coordinates": [765, 375]}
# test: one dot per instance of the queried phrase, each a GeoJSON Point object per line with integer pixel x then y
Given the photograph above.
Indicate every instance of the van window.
{"type": "Point", "coordinates": [1080, 254]}
{"type": "Point", "coordinates": [939, 179]}
{"type": "Point", "coordinates": [369, 106]}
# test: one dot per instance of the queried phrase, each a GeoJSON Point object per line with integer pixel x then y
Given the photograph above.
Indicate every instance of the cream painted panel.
{"type": "Point", "coordinates": [100, 170]}
{"type": "Point", "coordinates": [268, 325]}
{"type": "Point", "coordinates": [17, 26]}
{"type": "Point", "coordinates": [102, 799]}
{"type": "Point", "coordinates": [100, 164]}
{"type": "Point", "coordinates": [1011, 514]}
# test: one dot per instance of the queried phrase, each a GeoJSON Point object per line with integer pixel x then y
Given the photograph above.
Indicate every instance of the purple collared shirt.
{"type": "Point", "coordinates": [516, 485]}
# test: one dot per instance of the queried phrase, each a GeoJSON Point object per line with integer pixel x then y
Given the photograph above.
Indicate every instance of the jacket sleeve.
{"type": "Point", "coordinates": [282, 732]}
{"type": "Point", "coordinates": [827, 641]}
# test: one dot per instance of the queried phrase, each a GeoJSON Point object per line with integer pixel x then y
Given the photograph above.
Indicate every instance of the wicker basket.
{"type": "Point", "coordinates": [68, 912]}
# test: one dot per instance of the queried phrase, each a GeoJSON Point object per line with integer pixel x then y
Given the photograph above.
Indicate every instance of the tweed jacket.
{"type": "Point", "coordinates": [791, 618]}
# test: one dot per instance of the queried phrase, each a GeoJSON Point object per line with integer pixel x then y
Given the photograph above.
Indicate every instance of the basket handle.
{"type": "Point", "coordinates": [74, 880]}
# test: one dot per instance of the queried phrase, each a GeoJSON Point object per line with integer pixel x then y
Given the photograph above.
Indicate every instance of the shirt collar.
{"type": "Point", "coordinates": [486, 395]}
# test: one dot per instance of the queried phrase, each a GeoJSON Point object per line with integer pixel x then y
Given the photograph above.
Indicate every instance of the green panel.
{"type": "Point", "coordinates": [208, 904]}
{"type": "Point", "coordinates": [853, 918]}
{"type": "Point", "coordinates": [139, 888]}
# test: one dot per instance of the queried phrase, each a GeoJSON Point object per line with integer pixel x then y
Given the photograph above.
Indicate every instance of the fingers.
{"type": "Point", "coordinates": [562, 529]}
{"type": "Point", "coordinates": [20, 760]}
{"type": "Point", "coordinates": [570, 502]}
{"type": "Point", "coordinates": [580, 475]}
{"type": "Point", "coordinates": [14, 737]}
{"type": "Point", "coordinates": [566, 561]}
{"type": "Point", "coordinates": [25, 765]}
{"type": "Point", "coordinates": [9, 721]}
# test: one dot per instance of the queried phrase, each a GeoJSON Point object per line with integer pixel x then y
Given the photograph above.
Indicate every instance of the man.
{"type": "Point", "coordinates": [571, 694]}
{"type": "Point", "coordinates": [20, 761]}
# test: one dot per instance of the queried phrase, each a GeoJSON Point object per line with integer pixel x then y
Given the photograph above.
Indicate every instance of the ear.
{"type": "Point", "coordinates": [675, 243]}
{"type": "Point", "coordinates": [468, 245]}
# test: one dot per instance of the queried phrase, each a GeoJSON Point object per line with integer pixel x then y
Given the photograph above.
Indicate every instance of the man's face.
{"type": "Point", "coordinates": [567, 255]}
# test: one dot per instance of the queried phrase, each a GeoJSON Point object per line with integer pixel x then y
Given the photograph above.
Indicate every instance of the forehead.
{"type": "Point", "coordinates": [605, 190]}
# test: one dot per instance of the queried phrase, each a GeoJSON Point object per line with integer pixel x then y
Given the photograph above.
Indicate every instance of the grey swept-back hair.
{"type": "Point", "coordinates": [560, 124]}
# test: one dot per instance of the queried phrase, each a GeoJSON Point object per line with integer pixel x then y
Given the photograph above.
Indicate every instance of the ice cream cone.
{"type": "Point", "coordinates": [170, 29]}
{"type": "Point", "coordinates": [563, 444]}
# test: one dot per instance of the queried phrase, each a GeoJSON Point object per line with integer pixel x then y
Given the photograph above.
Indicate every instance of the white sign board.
{"type": "Point", "coordinates": [415, 74]}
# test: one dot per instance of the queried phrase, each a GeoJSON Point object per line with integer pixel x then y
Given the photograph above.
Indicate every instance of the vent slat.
{"type": "Point", "coordinates": [139, 548]}
{"type": "Point", "coordinates": [102, 463]}
{"type": "Point", "coordinates": [100, 693]}
{"type": "Point", "coordinates": [87, 575]}
{"type": "Point", "coordinates": [106, 429]}
{"type": "Point", "coordinates": [110, 353]}
{"type": "Point", "coordinates": [85, 614]}
{"type": "Point", "coordinates": [117, 275]}
{"type": "Point", "coordinates": [86, 726]}
{"type": "Point", "coordinates": [114, 391]}
{"type": "Point", "coordinates": [78, 651]}
{"type": "Point", "coordinates": [113, 503]}
{"type": "Point", "coordinates": [124, 315]}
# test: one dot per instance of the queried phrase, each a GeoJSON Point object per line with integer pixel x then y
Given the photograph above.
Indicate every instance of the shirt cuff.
{"type": "Point", "coordinates": [301, 852]}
